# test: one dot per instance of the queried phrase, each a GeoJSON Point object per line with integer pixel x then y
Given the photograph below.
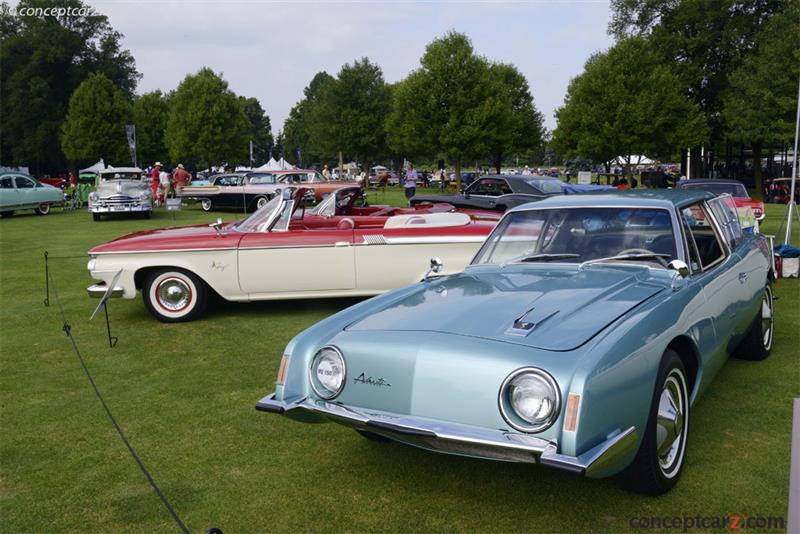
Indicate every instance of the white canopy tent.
{"type": "Point", "coordinates": [97, 167]}
{"type": "Point", "coordinates": [634, 160]}
{"type": "Point", "coordinates": [273, 165]}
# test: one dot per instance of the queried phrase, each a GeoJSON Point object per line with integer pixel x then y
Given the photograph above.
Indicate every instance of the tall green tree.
{"type": "Point", "coordinates": [42, 61]}
{"type": "Point", "coordinates": [260, 131]}
{"type": "Point", "coordinates": [703, 41]}
{"type": "Point", "coordinates": [207, 124]}
{"type": "Point", "coordinates": [95, 123]}
{"type": "Point", "coordinates": [297, 127]}
{"type": "Point", "coordinates": [627, 102]}
{"type": "Point", "coordinates": [351, 113]}
{"type": "Point", "coordinates": [445, 106]}
{"type": "Point", "coordinates": [761, 101]}
{"type": "Point", "coordinates": [516, 125]}
{"type": "Point", "coordinates": [150, 113]}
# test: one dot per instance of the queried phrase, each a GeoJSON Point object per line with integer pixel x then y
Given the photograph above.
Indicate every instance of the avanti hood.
{"type": "Point", "coordinates": [546, 307]}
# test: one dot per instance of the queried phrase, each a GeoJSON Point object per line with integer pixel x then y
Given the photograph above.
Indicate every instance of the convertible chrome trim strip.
{"type": "Point", "coordinates": [460, 439]}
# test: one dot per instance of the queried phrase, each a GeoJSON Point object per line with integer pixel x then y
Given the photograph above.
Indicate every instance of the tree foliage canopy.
{"type": "Point", "coordinates": [150, 113]}
{"type": "Point", "coordinates": [761, 102]}
{"type": "Point", "coordinates": [43, 60]}
{"type": "Point", "coordinates": [207, 124]}
{"type": "Point", "coordinates": [350, 113]}
{"type": "Point", "coordinates": [260, 130]}
{"type": "Point", "coordinates": [298, 126]}
{"type": "Point", "coordinates": [627, 101]}
{"type": "Point", "coordinates": [95, 124]}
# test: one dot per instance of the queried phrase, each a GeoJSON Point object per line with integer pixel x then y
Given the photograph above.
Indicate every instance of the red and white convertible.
{"type": "Point", "coordinates": [340, 248]}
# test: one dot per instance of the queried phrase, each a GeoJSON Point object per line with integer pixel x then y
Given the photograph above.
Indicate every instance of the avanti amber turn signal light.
{"type": "Point", "coordinates": [282, 370]}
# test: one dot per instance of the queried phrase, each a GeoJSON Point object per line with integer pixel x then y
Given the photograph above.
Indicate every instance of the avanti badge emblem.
{"type": "Point", "coordinates": [370, 381]}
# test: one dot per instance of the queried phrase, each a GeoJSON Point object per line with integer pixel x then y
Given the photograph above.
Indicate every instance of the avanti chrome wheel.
{"type": "Point", "coordinates": [757, 344]}
{"type": "Point", "coordinates": [671, 422]}
{"type": "Point", "coordinates": [660, 458]}
{"type": "Point", "coordinates": [767, 320]}
{"type": "Point", "coordinates": [174, 295]}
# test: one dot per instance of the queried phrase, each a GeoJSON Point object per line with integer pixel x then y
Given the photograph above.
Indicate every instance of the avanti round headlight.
{"type": "Point", "coordinates": [328, 372]}
{"type": "Point", "coordinates": [529, 400]}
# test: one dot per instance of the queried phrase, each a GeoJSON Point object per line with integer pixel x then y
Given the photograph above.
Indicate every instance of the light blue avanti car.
{"type": "Point", "coordinates": [579, 337]}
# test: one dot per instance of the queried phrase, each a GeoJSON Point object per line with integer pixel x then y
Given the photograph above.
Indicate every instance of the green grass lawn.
{"type": "Point", "coordinates": [185, 395]}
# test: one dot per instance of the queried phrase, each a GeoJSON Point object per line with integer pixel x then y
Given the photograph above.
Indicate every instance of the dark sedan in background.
{"type": "Point", "coordinates": [501, 192]}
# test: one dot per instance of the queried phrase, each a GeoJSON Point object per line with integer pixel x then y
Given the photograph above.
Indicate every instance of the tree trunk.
{"type": "Point", "coordinates": [458, 173]}
{"type": "Point", "coordinates": [757, 170]}
{"type": "Point", "coordinates": [498, 162]}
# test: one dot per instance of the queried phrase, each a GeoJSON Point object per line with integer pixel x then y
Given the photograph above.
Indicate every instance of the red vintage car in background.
{"type": "Point", "coordinates": [345, 248]}
{"type": "Point", "coordinates": [55, 182]}
{"type": "Point", "coordinates": [734, 188]}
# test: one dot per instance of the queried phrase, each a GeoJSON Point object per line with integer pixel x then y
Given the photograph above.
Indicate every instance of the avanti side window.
{"type": "Point", "coordinates": [724, 210]}
{"type": "Point", "coordinates": [703, 237]}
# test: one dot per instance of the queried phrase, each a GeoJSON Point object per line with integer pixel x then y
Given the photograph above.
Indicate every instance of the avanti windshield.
{"type": "Point", "coordinates": [576, 235]}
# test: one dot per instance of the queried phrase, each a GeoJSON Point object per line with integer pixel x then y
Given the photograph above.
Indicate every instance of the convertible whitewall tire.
{"type": "Point", "coordinates": [174, 295]}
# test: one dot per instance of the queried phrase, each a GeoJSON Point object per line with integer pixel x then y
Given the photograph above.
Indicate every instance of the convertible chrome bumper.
{"type": "Point", "coordinates": [460, 439]}
{"type": "Point", "coordinates": [98, 290]}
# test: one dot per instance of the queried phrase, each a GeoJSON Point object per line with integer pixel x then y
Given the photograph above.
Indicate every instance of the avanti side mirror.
{"type": "Point", "coordinates": [437, 265]}
{"type": "Point", "coordinates": [680, 268]}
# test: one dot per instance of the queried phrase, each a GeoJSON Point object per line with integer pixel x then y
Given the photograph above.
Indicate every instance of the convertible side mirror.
{"type": "Point", "coordinates": [437, 265]}
{"type": "Point", "coordinates": [680, 268]}
{"type": "Point", "coordinates": [217, 225]}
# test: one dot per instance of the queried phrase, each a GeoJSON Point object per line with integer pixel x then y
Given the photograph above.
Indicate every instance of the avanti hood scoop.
{"type": "Point", "coordinates": [552, 309]}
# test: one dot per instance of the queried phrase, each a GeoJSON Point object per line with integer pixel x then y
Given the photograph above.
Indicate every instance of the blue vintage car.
{"type": "Point", "coordinates": [579, 337]}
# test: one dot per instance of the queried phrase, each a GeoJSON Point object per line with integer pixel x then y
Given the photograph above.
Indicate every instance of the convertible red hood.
{"type": "Point", "coordinates": [199, 236]}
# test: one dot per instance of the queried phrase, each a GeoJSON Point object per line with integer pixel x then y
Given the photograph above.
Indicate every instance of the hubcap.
{"type": "Point", "coordinates": [261, 202]}
{"type": "Point", "coordinates": [173, 294]}
{"type": "Point", "coordinates": [44, 208]}
{"type": "Point", "coordinates": [766, 319]}
{"type": "Point", "coordinates": [670, 421]}
{"type": "Point", "coordinates": [206, 205]}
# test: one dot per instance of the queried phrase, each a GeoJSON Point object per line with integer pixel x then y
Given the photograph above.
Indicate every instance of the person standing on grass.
{"type": "Point", "coordinates": [155, 180]}
{"type": "Point", "coordinates": [410, 183]}
{"type": "Point", "coordinates": [181, 177]}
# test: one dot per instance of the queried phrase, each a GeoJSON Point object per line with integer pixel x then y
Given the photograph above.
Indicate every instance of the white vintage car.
{"type": "Point", "coordinates": [121, 190]}
{"type": "Point", "coordinates": [281, 252]}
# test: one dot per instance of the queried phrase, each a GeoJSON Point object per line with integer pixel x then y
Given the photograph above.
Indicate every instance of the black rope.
{"type": "Point", "coordinates": [68, 331]}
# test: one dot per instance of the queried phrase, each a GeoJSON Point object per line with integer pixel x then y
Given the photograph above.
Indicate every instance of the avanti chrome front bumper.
{"type": "Point", "coordinates": [460, 439]}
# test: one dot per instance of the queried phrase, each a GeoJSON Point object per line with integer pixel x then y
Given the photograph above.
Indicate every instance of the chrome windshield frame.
{"type": "Point", "coordinates": [672, 211]}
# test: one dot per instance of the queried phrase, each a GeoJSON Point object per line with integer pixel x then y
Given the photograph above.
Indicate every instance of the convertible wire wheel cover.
{"type": "Point", "coordinates": [529, 400]}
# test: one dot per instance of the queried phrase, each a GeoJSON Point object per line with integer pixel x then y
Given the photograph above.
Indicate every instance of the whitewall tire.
{"type": "Point", "coordinates": [43, 209]}
{"type": "Point", "coordinates": [175, 295]}
{"type": "Point", "coordinates": [206, 204]}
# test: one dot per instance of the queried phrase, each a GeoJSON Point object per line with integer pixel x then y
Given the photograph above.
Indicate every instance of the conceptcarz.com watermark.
{"type": "Point", "coordinates": [58, 12]}
{"type": "Point", "coordinates": [729, 522]}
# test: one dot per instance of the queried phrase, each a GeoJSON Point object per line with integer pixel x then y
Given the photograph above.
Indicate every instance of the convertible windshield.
{"type": "Point", "coordinates": [576, 235]}
{"type": "Point", "coordinates": [261, 219]}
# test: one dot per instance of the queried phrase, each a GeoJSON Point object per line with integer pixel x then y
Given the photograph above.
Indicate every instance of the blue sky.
{"type": "Point", "coordinates": [271, 50]}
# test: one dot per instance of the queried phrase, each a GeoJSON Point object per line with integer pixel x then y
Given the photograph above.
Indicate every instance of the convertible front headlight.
{"type": "Point", "coordinates": [530, 400]}
{"type": "Point", "coordinates": [328, 372]}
